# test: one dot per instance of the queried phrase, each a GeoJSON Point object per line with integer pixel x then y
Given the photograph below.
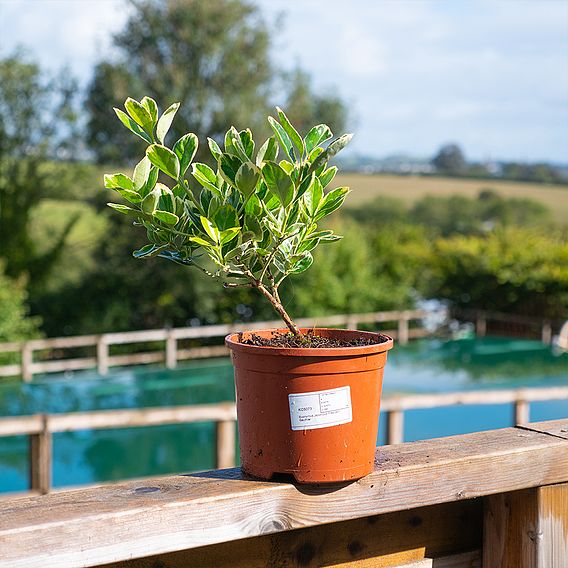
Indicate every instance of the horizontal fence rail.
{"type": "Point", "coordinates": [41, 427]}
{"type": "Point", "coordinates": [102, 359]}
{"type": "Point", "coordinates": [496, 499]}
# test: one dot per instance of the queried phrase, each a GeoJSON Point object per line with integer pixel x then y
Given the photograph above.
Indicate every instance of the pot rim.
{"type": "Point", "coordinates": [234, 345]}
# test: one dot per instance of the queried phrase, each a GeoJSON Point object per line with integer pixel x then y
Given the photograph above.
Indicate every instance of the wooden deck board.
{"type": "Point", "coordinates": [129, 520]}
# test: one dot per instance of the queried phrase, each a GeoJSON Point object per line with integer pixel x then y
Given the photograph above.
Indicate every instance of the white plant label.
{"type": "Point", "coordinates": [320, 409]}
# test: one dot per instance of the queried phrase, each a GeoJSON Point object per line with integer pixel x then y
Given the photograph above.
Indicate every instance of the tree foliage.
{"type": "Point", "coordinates": [212, 56]}
{"type": "Point", "coordinates": [509, 270]}
{"type": "Point", "coordinates": [15, 323]}
{"type": "Point", "coordinates": [36, 126]}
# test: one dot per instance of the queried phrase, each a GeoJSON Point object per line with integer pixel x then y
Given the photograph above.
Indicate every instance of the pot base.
{"type": "Point", "coordinates": [315, 476]}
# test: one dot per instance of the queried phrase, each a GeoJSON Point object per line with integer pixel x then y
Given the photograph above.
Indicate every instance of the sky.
{"type": "Point", "coordinates": [491, 75]}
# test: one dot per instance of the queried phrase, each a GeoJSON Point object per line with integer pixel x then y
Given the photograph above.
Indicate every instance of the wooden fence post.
{"type": "Point", "coordinates": [102, 355]}
{"type": "Point", "coordinates": [527, 528]}
{"type": "Point", "coordinates": [41, 458]}
{"type": "Point", "coordinates": [171, 350]}
{"type": "Point", "coordinates": [481, 324]}
{"type": "Point", "coordinates": [225, 441]}
{"type": "Point", "coordinates": [522, 412]}
{"type": "Point", "coordinates": [546, 333]}
{"type": "Point", "coordinates": [351, 322]}
{"type": "Point", "coordinates": [402, 335]}
{"type": "Point", "coordinates": [395, 427]}
{"type": "Point", "coordinates": [27, 362]}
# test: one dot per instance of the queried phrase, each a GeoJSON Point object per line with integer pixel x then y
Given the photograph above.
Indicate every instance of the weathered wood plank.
{"type": "Point", "coordinates": [527, 529]}
{"type": "Point", "coordinates": [21, 425]}
{"type": "Point", "coordinates": [131, 520]}
{"type": "Point", "coordinates": [510, 530]}
{"type": "Point", "coordinates": [373, 542]}
{"type": "Point", "coordinates": [553, 526]}
{"type": "Point", "coordinates": [558, 428]}
{"type": "Point", "coordinates": [97, 419]}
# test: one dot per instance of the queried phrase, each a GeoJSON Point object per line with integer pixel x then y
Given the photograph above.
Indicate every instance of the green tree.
{"type": "Point", "coordinates": [509, 270]}
{"type": "Point", "coordinates": [450, 160]}
{"type": "Point", "coordinates": [36, 127]}
{"type": "Point", "coordinates": [211, 56]}
{"type": "Point", "coordinates": [15, 323]}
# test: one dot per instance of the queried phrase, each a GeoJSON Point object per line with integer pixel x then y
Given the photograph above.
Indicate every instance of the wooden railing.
{"type": "Point", "coordinates": [41, 427]}
{"type": "Point", "coordinates": [171, 353]}
{"type": "Point", "coordinates": [497, 499]}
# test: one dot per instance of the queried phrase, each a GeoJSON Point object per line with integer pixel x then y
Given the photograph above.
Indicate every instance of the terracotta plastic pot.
{"type": "Point", "coordinates": [311, 413]}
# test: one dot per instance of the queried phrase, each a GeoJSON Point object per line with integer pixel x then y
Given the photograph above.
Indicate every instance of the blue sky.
{"type": "Point", "coordinates": [489, 74]}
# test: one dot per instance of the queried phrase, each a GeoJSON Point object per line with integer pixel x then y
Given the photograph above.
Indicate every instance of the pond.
{"type": "Point", "coordinates": [429, 365]}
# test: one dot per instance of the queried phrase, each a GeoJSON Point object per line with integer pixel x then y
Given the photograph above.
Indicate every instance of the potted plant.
{"type": "Point", "coordinates": [307, 399]}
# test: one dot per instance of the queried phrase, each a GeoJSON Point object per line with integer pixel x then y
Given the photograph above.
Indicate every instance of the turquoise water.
{"type": "Point", "coordinates": [422, 366]}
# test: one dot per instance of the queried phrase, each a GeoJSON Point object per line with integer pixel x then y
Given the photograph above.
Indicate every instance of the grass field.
{"type": "Point", "coordinates": [411, 188]}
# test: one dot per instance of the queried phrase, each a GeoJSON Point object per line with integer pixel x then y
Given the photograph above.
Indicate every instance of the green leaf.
{"type": "Point", "coordinates": [123, 209]}
{"type": "Point", "coordinates": [252, 225]}
{"type": "Point", "coordinates": [205, 176]}
{"type": "Point", "coordinates": [141, 173]}
{"type": "Point", "coordinates": [165, 122]}
{"type": "Point", "coordinates": [130, 195]}
{"type": "Point", "coordinates": [316, 136]}
{"type": "Point", "coordinates": [283, 137]}
{"type": "Point", "coordinates": [246, 179]}
{"type": "Point", "coordinates": [313, 197]}
{"type": "Point", "coordinates": [214, 148]}
{"type": "Point", "coordinates": [185, 149]}
{"type": "Point", "coordinates": [164, 159]}
{"type": "Point", "coordinates": [151, 183]}
{"type": "Point", "coordinates": [226, 217]}
{"type": "Point", "coordinates": [278, 182]}
{"type": "Point", "coordinates": [333, 200]}
{"type": "Point", "coordinates": [139, 114]}
{"type": "Point", "coordinates": [150, 202]}
{"type": "Point", "coordinates": [118, 181]}
{"type": "Point", "coordinates": [148, 251]}
{"type": "Point", "coordinates": [253, 206]}
{"type": "Point", "coordinates": [151, 106]}
{"type": "Point", "coordinates": [247, 142]}
{"type": "Point", "coordinates": [229, 166]}
{"type": "Point", "coordinates": [268, 152]}
{"type": "Point", "coordinates": [292, 132]}
{"type": "Point", "coordinates": [210, 229]}
{"type": "Point", "coordinates": [229, 234]}
{"type": "Point", "coordinates": [303, 264]}
{"type": "Point", "coordinates": [332, 149]}
{"type": "Point", "coordinates": [166, 217]}
{"type": "Point", "coordinates": [234, 146]}
{"type": "Point", "coordinates": [132, 126]}
{"type": "Point", "coordinates": [201, 242]}
{"type": "Point", "coordinates": [305, 185]}
{"type": "Point", "coordinates": [327, 177]}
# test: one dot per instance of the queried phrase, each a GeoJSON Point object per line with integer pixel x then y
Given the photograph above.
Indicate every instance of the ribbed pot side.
{"type": "Point", "coordinates": [311, 413]}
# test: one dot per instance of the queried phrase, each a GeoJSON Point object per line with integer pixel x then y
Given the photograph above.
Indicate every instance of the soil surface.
{"type": "Point", "coordinates": [308, 340]}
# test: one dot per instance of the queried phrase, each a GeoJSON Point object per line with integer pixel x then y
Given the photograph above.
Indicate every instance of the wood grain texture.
{"type": "Point", "coordinates": [511, 530]}
{"type": "Point", "coordinates": [553, 526]}
{"type": "Point", "coordinates": [557, 428]}
{"type": "Point", "coordinates": [527, 529]}
{"type": "Point", "coordinates": [131, 520]}
{"type": "Point", "coordinates": [373, 542]}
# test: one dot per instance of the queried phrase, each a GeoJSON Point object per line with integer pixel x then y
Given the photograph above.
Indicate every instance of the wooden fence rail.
{"type": "Point", "coordinates": [497, 499]}
{"type": "Point", "coordinates": [102, 360]}
{"type": "Point", "coordinates": [41, 427]}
